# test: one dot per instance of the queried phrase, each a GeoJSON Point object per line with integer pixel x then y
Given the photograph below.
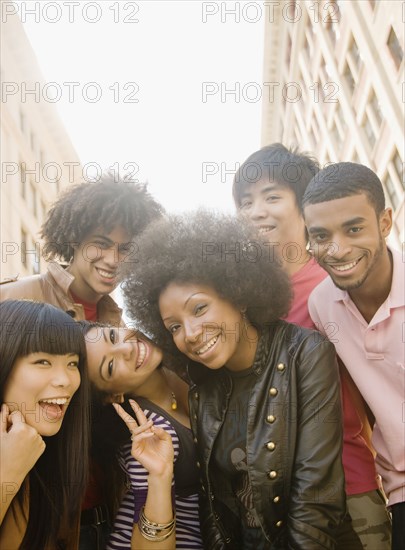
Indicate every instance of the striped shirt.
{"type": "Point", "coordinates": [186, 507]}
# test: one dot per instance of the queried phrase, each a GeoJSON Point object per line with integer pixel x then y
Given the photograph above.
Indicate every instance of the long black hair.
{"type": "Point", "coordinates": [58, 479]}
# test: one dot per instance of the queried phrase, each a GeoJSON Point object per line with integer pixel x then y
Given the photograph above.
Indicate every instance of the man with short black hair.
{"type": "Point", "coordinates": [347, 222]}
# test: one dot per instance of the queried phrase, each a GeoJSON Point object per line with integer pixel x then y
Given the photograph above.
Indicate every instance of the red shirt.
{"type": "Point", "coordinates": [90, 310]}
{"type": "Point", "coordinates": [303, 282]}
{"type": "Point", "coordinates": [357, 458]}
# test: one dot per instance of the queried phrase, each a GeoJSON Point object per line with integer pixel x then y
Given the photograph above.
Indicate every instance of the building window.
{"type": "Point", "coordinates": [30, 253]}
{"type": "Point", "coordinates": [369, 132]}
{"type": "Point", "coordinates": [332, 19]}
{"type": "Point", "coordinates": [309, 43]}
{"type": "Point", "coordinates": [298, 136]}
{"type": "Point", "coordinates": [341, 117]}
{"type": "Point", "coordinates": [392, 194]}
{"type": "Point", "coordinates": [32, 141]}
{"type": "Point", "coordinates": [32, 203]}
{"type": "Point", "coordinates": [340, 122]}
{"type": "Point", "coordinates": [354, 54]}
{"type": "Point", "coordinates": [395, 48]}
{"type": "Point", "coordinates": [288, 51]}
{"type": "Point", "coordinates": [315, 129]}
{"type": "Point", "coordinates": [22, 122]}
{"type": "Point", "coordinates": [347, 73]}
{"type": "Point", "coordinates": [398, 166]}
{"type": "Point", "coordinates": [281, 131]}
{"type": "Point", "coordinates": [36, 264]}
{"type": "Point", "coordinates": [41, 210]}
{"type": "Point", "coordinates": [23, 180]}
{"type": "Point", "coordinates": [375, 108]}
{"type": "Point", "coordinates": [336, 137]}
{"type": "Point", "coordinates": [306, 47]}
{"type": "Point", "coordinates": [24, 245]}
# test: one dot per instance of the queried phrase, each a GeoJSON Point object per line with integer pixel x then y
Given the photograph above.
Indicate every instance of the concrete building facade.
{"type": "Point", "coordinates": [337, 86]}
{"type": "Point", "coordinates": [38, 159]}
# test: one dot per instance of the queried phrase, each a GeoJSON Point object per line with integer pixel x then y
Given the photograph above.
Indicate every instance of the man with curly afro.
{"type": "Point", "coordinates": [89, 228]}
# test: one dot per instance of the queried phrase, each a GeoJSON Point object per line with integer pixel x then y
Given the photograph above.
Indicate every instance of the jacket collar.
{"type": "Point", "coordinates": [63, 278]}
{"type": "Point", "coordinates": [107, 307]}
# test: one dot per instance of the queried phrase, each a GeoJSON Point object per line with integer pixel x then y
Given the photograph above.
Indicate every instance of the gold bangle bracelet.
{"type": "Point", "coordinates": [150, 534]}
{"type": "Point", "coordinates": [152, 531]}
{"type": "Point", "coordinates": [158, 526]}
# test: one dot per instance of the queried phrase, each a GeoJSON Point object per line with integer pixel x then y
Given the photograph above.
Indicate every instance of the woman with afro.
{"type": "Point", "coordinates": [264, 396]}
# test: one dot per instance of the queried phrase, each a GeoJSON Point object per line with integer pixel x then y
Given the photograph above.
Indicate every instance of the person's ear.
{"type": "Point", "coordinates": [114, 398]}
{"type": "Point", "coordinates": [385, 222]}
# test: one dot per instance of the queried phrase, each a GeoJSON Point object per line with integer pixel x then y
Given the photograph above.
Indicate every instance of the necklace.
{"type": "Point", "coordinates": [174, 402]}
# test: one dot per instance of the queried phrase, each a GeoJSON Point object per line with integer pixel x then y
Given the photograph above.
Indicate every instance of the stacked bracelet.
{"type": "Point", "coordinates": [153, 531]}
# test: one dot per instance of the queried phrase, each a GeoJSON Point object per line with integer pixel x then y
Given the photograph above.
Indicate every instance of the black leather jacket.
{"type": "Point", "coordinates": [293, 443]}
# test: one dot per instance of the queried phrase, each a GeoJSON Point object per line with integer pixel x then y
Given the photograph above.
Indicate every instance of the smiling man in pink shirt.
{"type": "Point", "coordinates": [347, 222]}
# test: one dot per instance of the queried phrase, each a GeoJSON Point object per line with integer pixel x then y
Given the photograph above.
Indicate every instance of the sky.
{"type": "Point", "coordinates": [169, 91]}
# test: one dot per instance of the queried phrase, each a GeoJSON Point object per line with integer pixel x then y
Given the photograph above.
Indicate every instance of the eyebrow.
{"type": "Point", "coordinates": [266, 189]}
{"type": "Point", "coordinates": [348, 223]}
{"type": "Point", "coordinates": [100, 369]}
{"type": "Point", "coordinates": [103, 238]}
{"type": "Point", "coordinates": [184, 306]}
{"type": "Point", "coordinates": [353, 221]}
{"type": "Point", "coordinates": [316, 229]}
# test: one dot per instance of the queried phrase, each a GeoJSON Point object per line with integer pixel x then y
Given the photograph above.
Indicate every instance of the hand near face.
{"type": "Point", "coordinates": [20, 448]}
{"type": "Point", "coordinates": [151, 446]}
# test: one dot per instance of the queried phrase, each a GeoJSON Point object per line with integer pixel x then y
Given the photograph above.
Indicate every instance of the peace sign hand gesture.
{"type": "Point", "coordinates": [151, 446]}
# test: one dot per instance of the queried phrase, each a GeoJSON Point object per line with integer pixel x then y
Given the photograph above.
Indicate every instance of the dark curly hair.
{"type": "Point", "coordinates": [220, 251]}
{"type": "Point", "coordinates": [108, 203]}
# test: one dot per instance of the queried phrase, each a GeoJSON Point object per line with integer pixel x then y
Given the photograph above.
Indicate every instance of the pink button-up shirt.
{"type": "Point", "coordinates": [374, 355]}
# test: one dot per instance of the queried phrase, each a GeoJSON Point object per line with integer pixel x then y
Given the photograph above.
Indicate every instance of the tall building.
{"type": "Point", "coordinates": [336, 74]}
{"type": "Point", "coordinates": [37, 156]}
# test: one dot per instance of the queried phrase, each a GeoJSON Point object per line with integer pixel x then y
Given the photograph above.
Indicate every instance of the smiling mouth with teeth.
{"type": "Point", "coordinates": [208, 345]}
{"type": "Point", "coordinates": [142, 349]}
{"type": "Point", "coordinates": [345, 267]}
{"type": "Point", "coordinates": [56, 401]}
{"type": "Point", "coordinates": [263, 230]}
{"type": "Point", "coordinates": [53, 408]}
{"type": "Point", "coordinates": [106, 274]}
